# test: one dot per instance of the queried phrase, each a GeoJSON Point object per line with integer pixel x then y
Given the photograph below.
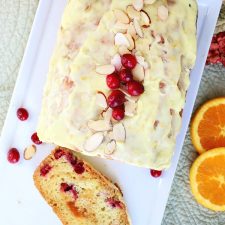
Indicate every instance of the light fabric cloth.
{"type": "Point", "coordinates": [16, 17]}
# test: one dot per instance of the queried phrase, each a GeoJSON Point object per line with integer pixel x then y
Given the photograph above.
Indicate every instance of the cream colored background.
{"type": "Point", "coordinates": [16, 17]}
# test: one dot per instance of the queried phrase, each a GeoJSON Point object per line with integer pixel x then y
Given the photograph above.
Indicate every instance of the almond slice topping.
{"type": "Point", "coordinates": [119, 132]}
{"type": "Point", "coordinates": [110, 147]}
{"type": "Point", "coordinates": [29, 152]}
{"type": "Point", "coordinates": [107, 115]}
{"type": "Point", "coordinates": [132, 12]}
{"type": "Point", "coordinates": [163, 13]}
{"type": "Point", "coordinates": [120, 27]}
{"type": "Point", "coordinates": [116, 61]}
{"type": "Point", "coordinates": [142, 61]}
{"type": "Point", "coordinates": [123, 50]}
{"type": "Point", "coordinates": [138, 4]}
{"type": "Point", "coordinates": [138, 73]}
{"type": "Point", "coordinates": [99, 125]}
{"type": "Point", "coordinates": [148, 2]}
{"type": "Point", "coordinates": [138, 28]}
{"type": "Point", "coordinates": [105, 69]}
{"type": "Point", "coordinates": [131, 41]}
{"type": "Point", "coordinates": [130, 108]}
{"type": "Point", "coordinates": [131, 30]}
{"type": "Point", "coordinates": [121, 39]}
{"type": "Point", "coordinates": [121, 16]}
{"type": "Point", "coordinates": [101, 100]}
{"type": "Point", "coordinates": [145, 19]}
{"type": "Point", "coordinates": [93, 142]}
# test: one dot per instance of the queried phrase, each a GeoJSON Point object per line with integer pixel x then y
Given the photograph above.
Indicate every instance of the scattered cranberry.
{"type": "Point", "coordinates": [35, 139]}
{"type": "Point", "coordinates": [22, 114]}
{"type": "Point", "coordinates": [135, 88]}
{"type": "Point", "coordinates": [118, 113]}
{"type": "Point", "coordinates": [114, 203]}
{"type": "Point", "coordinates": [79, 168]}
{"type": "Point", "coordinates": [116, 98]}
{"type": "Point", "coordinates": [59, 153]}
{"type": "Point", "coordinates": [128, 61]}
{"type": "Point", "coordinates": [125, 75]}
{"type": "Point", "coordinates": [64, 187]}
{"type": "Point", "coordinates": [113, 81]}
{"type": "Point", "coordinates": [45, 170]}
{"type": "Point", "coordinates": [155, 173]}
{"type": "Point", "coordinates": [71, 159]}
{"type": "Point", "coordinates": [13, 155]}
{"type": "Point", "coordinates": [75, 193]}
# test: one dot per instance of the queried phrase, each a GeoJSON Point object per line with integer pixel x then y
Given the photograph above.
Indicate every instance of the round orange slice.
{"type": "Point", "coordinates": [207, 178]}
{"type": "Point", "coordinates": [208, 126]}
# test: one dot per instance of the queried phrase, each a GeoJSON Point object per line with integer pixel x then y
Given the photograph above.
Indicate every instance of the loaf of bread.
{"type": "Point", "coordinates": [78, 193]}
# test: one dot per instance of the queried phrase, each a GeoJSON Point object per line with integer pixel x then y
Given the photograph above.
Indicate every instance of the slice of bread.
{"type": "Point", "coordinates": [78, 193]}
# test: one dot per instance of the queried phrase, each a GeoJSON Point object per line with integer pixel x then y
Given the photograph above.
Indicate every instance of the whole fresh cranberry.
{"type": "Point", "coordinates": [135, 88]}
{"type": "Point", "coordinates": [22, 114]}
{"type": "Point", "coordinates": [35, 139]}
{"type": "Point", "coordinates": [118, 113]}
{"type": "Point", "coordinates": [13, 155]}
{"type": "Point", "coordinates": [116, 98]}
{"type": "Point", "coordinates": [128, 61]}
{"type": "Point", "coordinates": [156, 173]}
{"type": "Point", "coordinates": [125, 75]}
{"type": "Point", "coordinates": [113, 81]}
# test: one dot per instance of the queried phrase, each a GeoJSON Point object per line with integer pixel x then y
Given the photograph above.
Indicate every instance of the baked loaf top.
{"type": "Point", "coordinates": [79, 194]}
{"type": "Point", "coordinates": [162, 36]}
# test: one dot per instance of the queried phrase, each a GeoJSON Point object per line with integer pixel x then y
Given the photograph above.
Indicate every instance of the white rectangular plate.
{"type": "Point", "coordinates": [146, 197]}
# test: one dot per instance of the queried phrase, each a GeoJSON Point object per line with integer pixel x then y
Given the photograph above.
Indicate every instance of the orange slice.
{"type": "Point", "coordinates": [208, 126]}
{"type": "Point", "coordinates": [207, 178]}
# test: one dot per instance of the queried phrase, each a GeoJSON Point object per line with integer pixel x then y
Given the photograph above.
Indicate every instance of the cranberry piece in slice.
{"type": "Point", "coordinates": [135, 88]}
{"type": "Point", "coordinates": [125, 75]}
{"type": "Point", "coordinates": [155, 173]}
{"type": "Point", "coordinates": [13, 155]}
{"type": "Point", "coordinates": [45, 170]}
{"type": "Point", "coordinates": [75, 193]}
{"type": "Point", "coordinates": [59, 153]}
{"type": "Point", "coordinates": [118, 113]}
{"type": "Point", "coordinates": [113, 81]}
{"type": "Point", "coordinates": [128, 61]}
{"type": "Point", "coordinates": [35, 139]}
{"type": "Point", "coordinates": [64, 187]}
{"type": "Point", "coordinates": [114, 203]}
{"type": "Point", "coordinates": [71, 159]}
{"type": "Point", "coordinates": [116, 98]}
{"type": "Point", "coordinates": [22, 114]}
{"type": "Point", "coordinates": [79, 168]}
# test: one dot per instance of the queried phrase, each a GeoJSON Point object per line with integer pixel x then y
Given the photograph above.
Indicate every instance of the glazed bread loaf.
{"type": "Point", "coordinates": [79, 194]}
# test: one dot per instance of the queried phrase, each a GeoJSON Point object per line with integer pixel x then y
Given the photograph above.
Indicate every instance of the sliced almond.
{"type": "Point", "coordinates": [110, 147]}
{"type": "Point", "coordinates": [138, 4]}
{"type": "Point", "coordinates": [105, 69]}
{"type": "Point", "coordinates": [130, 108]}
{"type": "Point", "coordinates": [116, 61]}
{"type": "Point", "coordinates": [132, 12]}
{"type": "Point", "coordinates": [93, 142]}
{"type": "Point", "coordinates": [145, 19]}
{"type": "Point", "coordinates": [29, 152]}
{"type": "Point", "coordinates": [107, 115]}
{"type": "Point", "coordinates": [138, 73]}
{"type": "Point", "coordinates": [123, 50]}
{"type": "Point", "coordinates": [121, 39]}
{"type": "Point", "coordinates": [131, 41]}
{"type": "Point", "coordinates": [149, 2]}
{"type": "Point", "coordinates": [138, 28]}
{"type": "Point", "coordinates": [101, 100]}
{"type": "Point", "coordinates": [142, 61]}
{"type": "Point", "coordinates": [120, 27]}
{"type": "Point", "coordinates": [119, 132]}
{"type": "Point", "coordinates": [99, 125]}
{"type": "Point", "coordinates": [131, 30]}
{"type": "Point", "coordinates": [163, 13]}
{"type": "Point", "coordinates": [121, 16]}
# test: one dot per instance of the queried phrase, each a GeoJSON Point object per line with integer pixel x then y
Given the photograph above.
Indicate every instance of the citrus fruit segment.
{"type": "Point", "coordinates": [208, 126]}
{"type": "Point", "coordinates": [207, 179]}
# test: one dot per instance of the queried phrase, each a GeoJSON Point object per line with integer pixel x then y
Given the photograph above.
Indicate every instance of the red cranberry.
{"type": "Point", "coordinates": [71, 159]}
{"type": "Point", "coordinates": [35, 139]}
{"type": "Point", "coordinates": [22, 114]}
{"type": "Point", "coordinates": [45, 170]}
{"type": "Point", "coordinates": [135, 88]}
{"type": "Point", "coordinates": [128, 61]}
{"type": "Point", "coordinates": [64, 187]}
{"type": "Point", "coordinates": [13, 155]}
{"type": "Point", "coordinates": [75, 193]}
{"type": "Point", "coordinates": [59, 153]}
{"type": "Point", "coordinates": [125, 75]}
{"type": "Point", "coordinates": [116, 98]}
{"type": "Point", "coordinates": [155, 173]}
{"type": "Point", "coordinates": [118, 113]}
{"type": "Point", "coordinates": [113, 81]}
{"type": "Point", "coordinates": [79, 168]}
{"type": "Point", "coordinates": [114, 203]}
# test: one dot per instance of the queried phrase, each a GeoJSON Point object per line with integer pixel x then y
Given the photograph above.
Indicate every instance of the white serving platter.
{"type": "Point", "coordinates": [146, 197]}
